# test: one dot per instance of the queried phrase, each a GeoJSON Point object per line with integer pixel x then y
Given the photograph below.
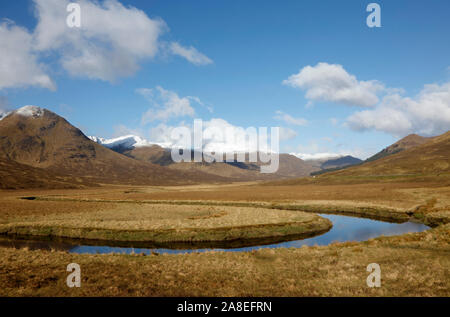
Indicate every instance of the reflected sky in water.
{"type": "Point", "coordinates": [345, 228]}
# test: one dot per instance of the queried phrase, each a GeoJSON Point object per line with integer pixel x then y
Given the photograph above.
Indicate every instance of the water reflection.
{"type": "Point", "coordinates": [345, 228]}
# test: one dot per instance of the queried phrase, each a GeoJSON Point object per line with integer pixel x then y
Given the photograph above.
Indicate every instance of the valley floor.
{"type": "Point", "coordinates": [416, 264]}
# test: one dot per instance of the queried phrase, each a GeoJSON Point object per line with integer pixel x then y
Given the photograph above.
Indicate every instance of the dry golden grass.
{"type": "Point", "coordinates": [164, 216]}
{"type": "Point", "coordinates": [394, 195]}
{"type": "Point", "coordinates": [116, 221]}
{"type": "Point", "coordinates": [411, 265]}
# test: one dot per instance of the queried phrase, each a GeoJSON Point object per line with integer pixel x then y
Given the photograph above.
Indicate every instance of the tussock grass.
{"type": "Point", "coordinates": [414, 264]}
{"type": "Point", "coordinates": [169, 223]}
{"type": "Point", "coordinates": [411, 265]}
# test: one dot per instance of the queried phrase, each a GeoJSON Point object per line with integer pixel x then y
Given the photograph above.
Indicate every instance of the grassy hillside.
{"type": "Point", "coordinates": [49, 142]}
{"type": "Point", "coordinates": [406, 143]}
{"type": "Point", "coordinates": [429, 159]}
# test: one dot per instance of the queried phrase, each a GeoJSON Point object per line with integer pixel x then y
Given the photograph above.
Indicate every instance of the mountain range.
{"type": "Point", "coordinates": [40, 149]}
{"type": "Point", "coordinates": [41, 143]}
{"type": "Point", "coordinates": [42, 140]}
{"type": "Point", "coordinates": [159, 153]}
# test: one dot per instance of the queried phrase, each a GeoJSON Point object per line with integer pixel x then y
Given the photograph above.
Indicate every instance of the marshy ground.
{"type": "Point", "coordinates": [416, 264]}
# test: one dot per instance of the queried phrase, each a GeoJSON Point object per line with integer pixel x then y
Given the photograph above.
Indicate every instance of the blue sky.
{"type": "Point", "coordinates": [236, 59]}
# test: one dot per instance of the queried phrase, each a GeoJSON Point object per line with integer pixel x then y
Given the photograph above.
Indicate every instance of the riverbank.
{"type": "Point", "coordinates": [414, 264]}
{"type": "Point", "coordinates": [169, 223]}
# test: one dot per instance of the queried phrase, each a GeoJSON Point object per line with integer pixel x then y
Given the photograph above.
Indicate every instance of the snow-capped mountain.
{"type": "Point", "coordinates": [26, 111]}
{"type": "Point", "coordinates": [4, 115]}
{"type": "Point", "coordinates": [126, 142]}
{"type": "Point", "coordinates": [43, 147]}
{"type": "Point", "coordinates": [30, 111]}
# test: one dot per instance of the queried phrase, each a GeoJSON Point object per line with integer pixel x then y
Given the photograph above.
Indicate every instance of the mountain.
{"type": "Point", "coordinates": [39, 138]}
{"type": "Point", "coordinates": [292, 166]}
{"type": "Point", "coordinates": [14, 175]}
{"type": "Point", "coordinates": [289, 166]}
{"type": "Point", "coordinates": [325, 165]}
{"type": "Point", "coordinates": [143, 150]}
{"type": "Point", "coordinates": [126, 142]}
{"type": "Point", "coordinates": [429, 158]}
{"type": "Point", "coordinates": [154, 154]}
{"type": "Point", "coordinates": [340, 162]}
{"type": "Point", "coordinates": [406, 143]}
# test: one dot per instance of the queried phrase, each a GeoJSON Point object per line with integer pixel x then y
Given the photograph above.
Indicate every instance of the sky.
{"type": "Point", "coordinates": [315, 69]}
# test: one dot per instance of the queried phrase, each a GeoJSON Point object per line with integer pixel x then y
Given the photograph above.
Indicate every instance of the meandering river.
{"type": "Point", "coordinates": [345, 228]}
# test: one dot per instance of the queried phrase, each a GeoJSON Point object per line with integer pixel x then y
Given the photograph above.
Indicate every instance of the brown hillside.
{"type": "Point", "coordinates": [14, 175]}
{"type": "Point", "coordinates": [290, 166]}
{"type": "Point", "coordinates": [153, 154]}
{"type": "Point", "coordinates": [406, 143]}
{"type": "Point", "coordinates": [430, 158]}
{"type": "Point", "coordinates": [46, 140]}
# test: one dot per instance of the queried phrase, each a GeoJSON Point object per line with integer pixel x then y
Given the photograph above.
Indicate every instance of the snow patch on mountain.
{"type": "Point", "coordinates": [3, 115]}
{"type": "Point", "coordinates": [317, 156]}
{"type": "Point", "coordinates": [126, 142]}
{"type": "Point", "coordinates": [30, 111]}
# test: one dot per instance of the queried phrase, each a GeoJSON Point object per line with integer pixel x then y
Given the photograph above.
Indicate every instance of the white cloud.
{"type": "Point", "coordinates": [112, 41]}
{"type": "Point", "coordinates": [166, 104]}
{"type": "Point", "coordinates": [121, 130]}
{"type": "Point", "coordinates": [427, 114]}
{"type": "Point", "coordinates": [331, 82]}
{"type": "Point", "coordinates": [280, 115]}
{"type": "Point", "coordinates": [219, 136]}
{"type": "Point", "coordinates": [18, 62]}
{"type": "Point", "coordinates": [190, 53]}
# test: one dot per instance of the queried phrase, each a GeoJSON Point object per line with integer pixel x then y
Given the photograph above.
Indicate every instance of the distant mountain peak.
{"type": "Point", "coordinates": [26, 111]}
{"type": "Point", "coordinates": [126, 142]}
{"type": "Point", "coordinates": [30, 111]}
{"type": "Point", "coordinates": [408, 142]}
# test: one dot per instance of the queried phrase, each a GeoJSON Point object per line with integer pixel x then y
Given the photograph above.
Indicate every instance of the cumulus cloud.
{"type": "Point", "coordinates": [219, 136]}
{"type": "Point", "coordinates": [427, 114]}
{"type": "Point", "coordinates": [331, 82]}
{"type": "Point", "coordinates": [166, 104]}
{"type": "Point", "coordinates": [224, 137]}
{"type": "Point", "coordinates": [281, 116]}
{"type": "Point", "coordinates": [121, 130]}
{"type": "Point", "coordinates": [18, 61]}
{"type": "Point", "coordinates": [190, 53]}
{"type": "Point", "coordinates": [111, 42]}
